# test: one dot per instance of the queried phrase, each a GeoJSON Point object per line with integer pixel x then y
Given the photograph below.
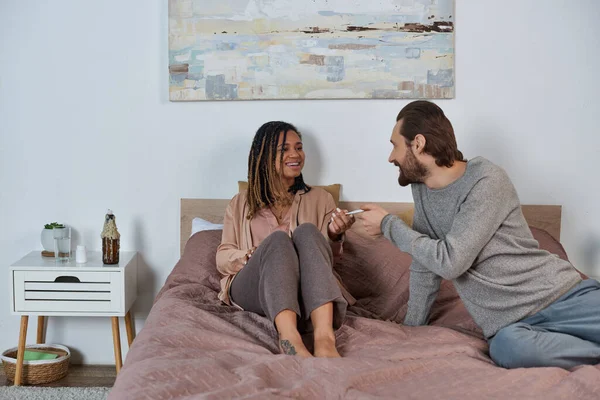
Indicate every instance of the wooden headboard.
{"type": "Point", "coordinates": [213, 210]}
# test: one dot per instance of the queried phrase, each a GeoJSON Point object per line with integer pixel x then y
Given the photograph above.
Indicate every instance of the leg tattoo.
{"type": "Point", "coordinates": [287, 347]}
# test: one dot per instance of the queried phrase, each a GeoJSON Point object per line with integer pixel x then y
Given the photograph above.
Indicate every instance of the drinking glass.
{"type": "Point", "coordinates": [62, 244]}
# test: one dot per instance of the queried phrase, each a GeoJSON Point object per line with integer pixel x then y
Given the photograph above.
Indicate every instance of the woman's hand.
{"type": "Point", "coordinates": [340, 223]}
{"type": "Point", "coordinates": [248, 255]}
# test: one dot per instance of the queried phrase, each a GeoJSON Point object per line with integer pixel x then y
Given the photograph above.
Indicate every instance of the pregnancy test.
{"type": "Point", "coordinates": [355, 212]}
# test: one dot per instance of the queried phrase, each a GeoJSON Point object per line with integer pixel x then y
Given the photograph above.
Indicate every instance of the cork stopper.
{"type": "Point", "coordinates": [110, 231]}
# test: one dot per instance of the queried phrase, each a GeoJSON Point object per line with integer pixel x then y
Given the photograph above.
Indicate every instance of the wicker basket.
{"type": "Point", "coordinates": [39, 371]}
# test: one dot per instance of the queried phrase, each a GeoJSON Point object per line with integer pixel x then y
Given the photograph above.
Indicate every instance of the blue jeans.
{"type": "Point", "coordinates": [564, 334]}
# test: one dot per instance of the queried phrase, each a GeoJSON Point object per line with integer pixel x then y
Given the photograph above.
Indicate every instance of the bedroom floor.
{"type": "Point", "coordinates": [79, 376]}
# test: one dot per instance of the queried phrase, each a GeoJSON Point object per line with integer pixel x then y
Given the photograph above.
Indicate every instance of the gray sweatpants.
{"type": "Point", "coordinates": [294, 274]}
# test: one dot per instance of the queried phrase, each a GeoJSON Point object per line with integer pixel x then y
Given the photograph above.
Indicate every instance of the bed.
{"type": "Point", "coordinates": [193, 346]}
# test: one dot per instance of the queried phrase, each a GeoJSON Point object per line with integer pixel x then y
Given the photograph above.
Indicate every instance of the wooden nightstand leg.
{"type": "Point", "coordinates": [117, 342]}
{"type": "Point", "coordinates": [129, 328]}
{"type": "Point", "coordinates": [41, 337]}
{"type": "Point", "coordinates": [21, 350]}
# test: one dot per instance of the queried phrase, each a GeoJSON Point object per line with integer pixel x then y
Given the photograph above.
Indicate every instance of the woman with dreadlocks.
{"type": "Point", "coordinates": [279, 239]}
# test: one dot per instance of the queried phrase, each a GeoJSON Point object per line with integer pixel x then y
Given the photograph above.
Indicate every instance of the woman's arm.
{"type": "Point", "coordinates": [332, 232]}
{"type": "Point", "coordinates": [230, 258]}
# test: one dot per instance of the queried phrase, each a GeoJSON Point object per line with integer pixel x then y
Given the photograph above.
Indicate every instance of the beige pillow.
{"type": "Point", "coordinates": [334, 190]}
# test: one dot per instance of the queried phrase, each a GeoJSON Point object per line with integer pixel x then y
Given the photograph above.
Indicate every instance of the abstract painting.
{"type": "Point", "coordinates": [310, 49]}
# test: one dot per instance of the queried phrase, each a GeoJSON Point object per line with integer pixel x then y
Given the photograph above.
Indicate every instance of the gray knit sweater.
{"type": "Point", "coordinates": [473, 233]}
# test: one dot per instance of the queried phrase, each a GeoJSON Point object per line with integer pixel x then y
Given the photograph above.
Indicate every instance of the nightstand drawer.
{"type": "Point", "coordinates": [61, 291]}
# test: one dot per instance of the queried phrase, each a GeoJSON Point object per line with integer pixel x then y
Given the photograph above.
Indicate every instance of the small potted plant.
{"type": "Point", "coordinates": [48, 235]}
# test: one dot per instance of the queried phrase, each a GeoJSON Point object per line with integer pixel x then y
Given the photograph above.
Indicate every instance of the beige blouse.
{"type": "Point", "coordinates": [264, 223]}
{"type": "Point", "coordinates": [313, 207]}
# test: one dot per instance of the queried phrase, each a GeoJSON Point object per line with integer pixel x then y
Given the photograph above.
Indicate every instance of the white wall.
{"type": "Point", "coordinates": [85, 125]}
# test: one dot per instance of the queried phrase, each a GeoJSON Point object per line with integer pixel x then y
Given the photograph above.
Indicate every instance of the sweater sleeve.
{"type": "Point", "coordinates": [424, 285]}
{"type": "Point", "coordinates": [480, 215]}
{"type": "Point", "coordinates": [230, 258]}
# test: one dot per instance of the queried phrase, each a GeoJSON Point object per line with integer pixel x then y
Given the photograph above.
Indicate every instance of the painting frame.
{"type": "Point", "coordinates": [322, 49]}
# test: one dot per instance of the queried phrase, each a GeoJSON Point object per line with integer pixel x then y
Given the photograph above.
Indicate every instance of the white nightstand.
{"type": "Point", "coordinates": [42, 287]}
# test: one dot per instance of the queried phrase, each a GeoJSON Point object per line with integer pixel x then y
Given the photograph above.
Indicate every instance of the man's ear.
{"type": "Point", "coordinates": [419, 143]}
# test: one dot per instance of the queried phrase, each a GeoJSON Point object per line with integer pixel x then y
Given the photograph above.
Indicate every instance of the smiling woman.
{"type": "Point", "coordinates": [275, 167]}
{"type": "Point", "coordinates": [291, 155]}
{"type": "Point", "coordinates": [279, 239]}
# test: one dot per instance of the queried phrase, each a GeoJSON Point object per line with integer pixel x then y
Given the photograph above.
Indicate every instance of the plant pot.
{"type": "Point", "coordinates": [48, 240]}
{"type": "Point", "coordinates": [49, 236]}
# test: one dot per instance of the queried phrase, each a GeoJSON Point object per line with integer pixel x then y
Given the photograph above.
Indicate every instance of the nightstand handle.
{"type": "Point", "coordinates": [67, 279]}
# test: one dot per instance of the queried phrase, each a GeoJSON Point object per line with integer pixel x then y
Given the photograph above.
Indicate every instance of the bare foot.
{"type": "Point", "coordinates": [293, 346]}
{"type": "Point", "coordinates": [325, 346]}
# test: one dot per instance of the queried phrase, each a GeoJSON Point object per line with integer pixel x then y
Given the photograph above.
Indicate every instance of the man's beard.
{"type": "Point", "coordinates": [412, 171]}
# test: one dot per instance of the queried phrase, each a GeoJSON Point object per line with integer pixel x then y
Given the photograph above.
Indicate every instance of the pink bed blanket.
{"type": "Point", "coordinates": [194, 347]}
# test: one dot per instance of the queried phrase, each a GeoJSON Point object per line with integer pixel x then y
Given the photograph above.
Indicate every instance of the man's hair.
{"type": "Point", "coordinates": [426, 118]}
{"type": "Point", "coordinates": [265, 187]}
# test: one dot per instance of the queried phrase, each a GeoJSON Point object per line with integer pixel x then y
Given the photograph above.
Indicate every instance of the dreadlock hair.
{"type": "Point", "coordinates": [265, 186]}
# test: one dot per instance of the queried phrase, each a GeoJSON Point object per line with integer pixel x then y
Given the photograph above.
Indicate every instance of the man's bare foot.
{"type": "Point", "coordinates": [293, 346]}
{"type": "Point", "coordinates": [325, 345]}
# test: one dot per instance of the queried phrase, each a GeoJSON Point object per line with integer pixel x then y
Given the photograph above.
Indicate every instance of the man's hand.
{"type": "Point", "coordinates": [340, 223]}
{"type": "Point", "coordinates": [371, 219]}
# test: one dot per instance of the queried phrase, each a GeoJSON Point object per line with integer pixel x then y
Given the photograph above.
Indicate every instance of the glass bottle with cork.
{"type": "Point", "coordinates": [110, 239]}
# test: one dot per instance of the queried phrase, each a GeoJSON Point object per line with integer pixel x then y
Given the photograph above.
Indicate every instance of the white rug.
{"type": "Point", "coordinates": [53, 393]}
